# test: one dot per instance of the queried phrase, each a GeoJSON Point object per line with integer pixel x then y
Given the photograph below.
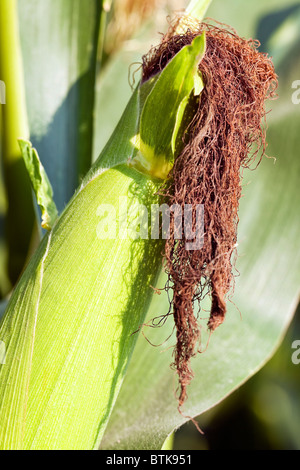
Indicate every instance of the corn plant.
{"type": "Point", "coordinates": [78, 373]}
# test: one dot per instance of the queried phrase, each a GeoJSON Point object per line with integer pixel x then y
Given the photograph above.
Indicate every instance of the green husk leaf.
{"type": "Point", "coordinates": [197, 9]}
{"type": "Point", "coordinates": [40, 183]}
{"type": "Point", "coordinates": [159, 125]}
{"type": "Point", "coordinates": [70, 323]}
{"type": "Point", "coordinates": [169, 442]}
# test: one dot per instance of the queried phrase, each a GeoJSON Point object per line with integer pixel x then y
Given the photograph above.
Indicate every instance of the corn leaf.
{"type": "Point", "coordinates": [59, 46]}
{"type": "Point", "coordinates": [15, 244]}
{"type": "Point", "coordinates": [40, 183]}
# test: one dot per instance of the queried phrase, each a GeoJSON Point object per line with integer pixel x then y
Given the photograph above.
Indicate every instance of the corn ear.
{"type": "Point", "coordinates": [69, 329]}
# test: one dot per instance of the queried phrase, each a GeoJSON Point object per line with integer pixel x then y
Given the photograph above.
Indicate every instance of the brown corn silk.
{"type": "Point", "coordinates": [226, 135]}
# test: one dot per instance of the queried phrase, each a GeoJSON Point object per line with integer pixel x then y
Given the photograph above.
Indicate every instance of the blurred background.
{"type": "Point", "coordinates": [263, 414]}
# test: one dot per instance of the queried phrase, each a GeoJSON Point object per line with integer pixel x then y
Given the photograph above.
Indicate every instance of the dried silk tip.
{"type": "Point", "coordinates": [225, 135]}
